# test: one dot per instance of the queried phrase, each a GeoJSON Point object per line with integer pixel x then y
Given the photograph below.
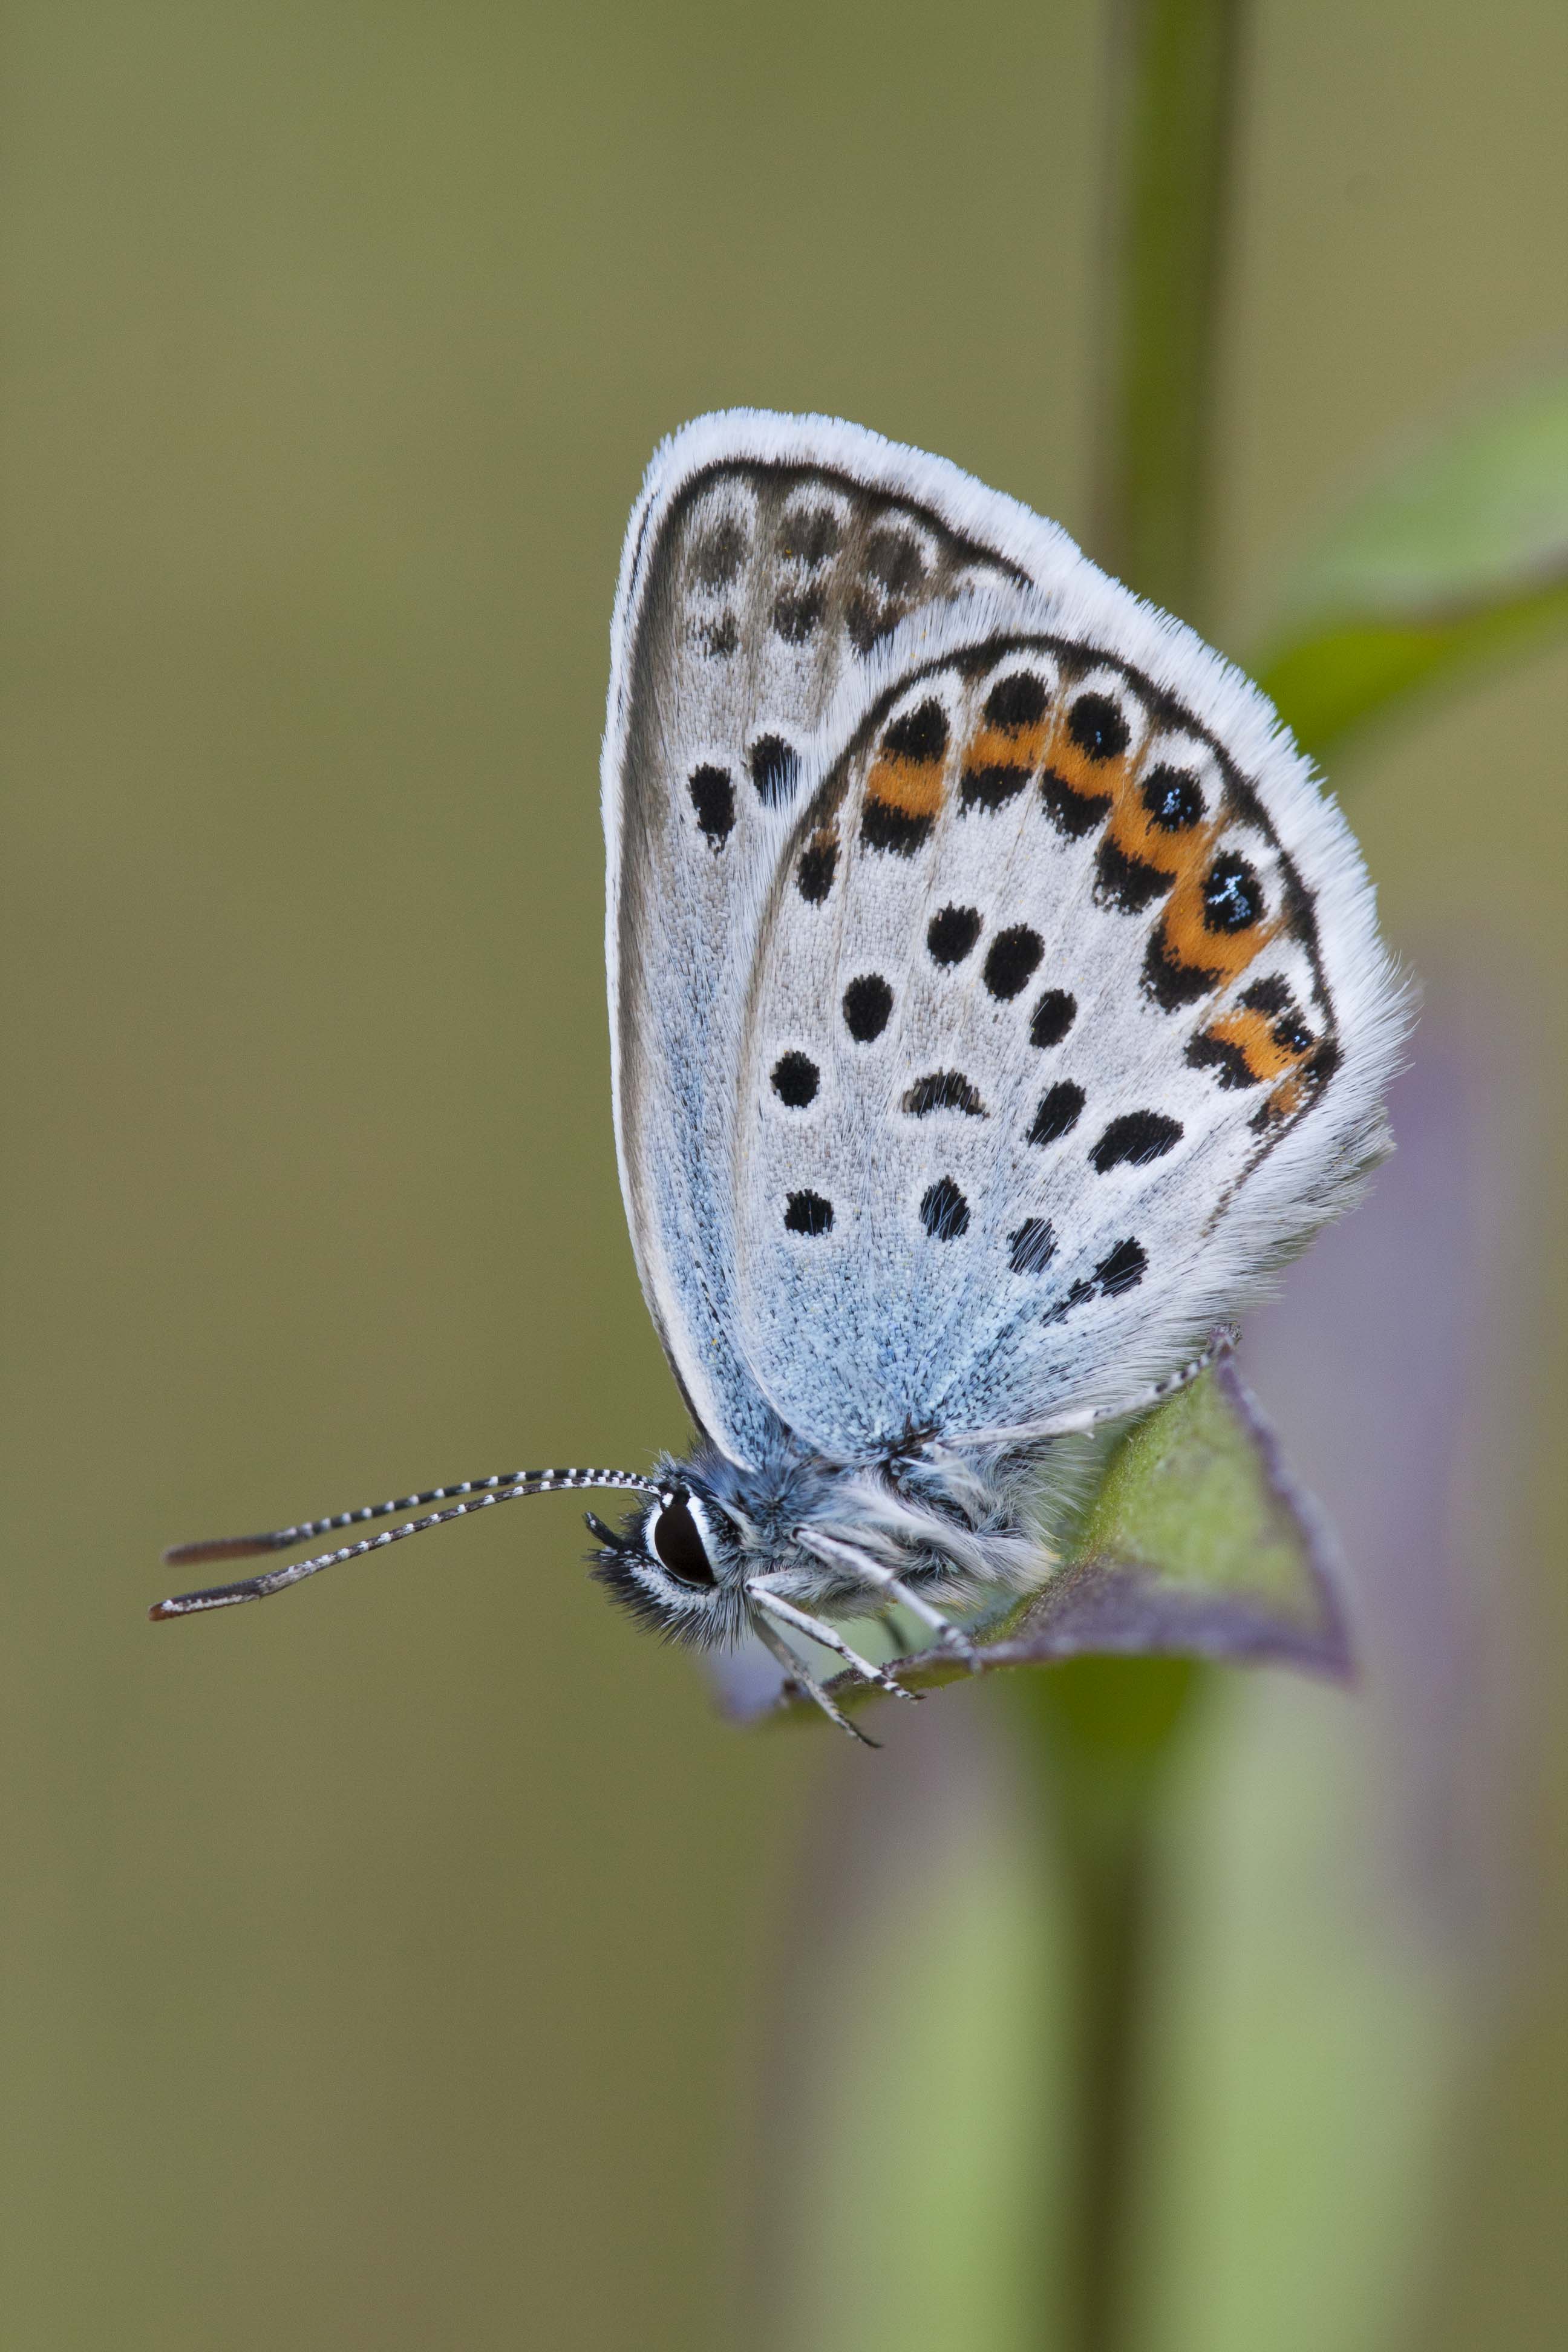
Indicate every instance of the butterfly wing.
{"type": "Point", "coordinates": [762, 579]}
{"type": "Point", "coordinates": [973, 1076]}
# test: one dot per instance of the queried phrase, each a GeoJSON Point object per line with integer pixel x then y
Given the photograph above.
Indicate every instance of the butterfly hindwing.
{"type": "Point", "coordinates": [977, 1053]}
{"type": "Point", "coordinates": [1010, 1079]}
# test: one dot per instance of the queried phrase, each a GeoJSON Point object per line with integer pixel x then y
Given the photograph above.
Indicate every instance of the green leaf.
{"type": "Point", "coordinates": [1207, 1544]}
{"type": "Point", "coordinates": [1458, 559]}
{"type": "Point", "coordinates": [1197, 1544]}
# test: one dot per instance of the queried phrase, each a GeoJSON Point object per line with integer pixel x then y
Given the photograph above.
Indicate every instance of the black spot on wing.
{"type": "Point", "coordinates": [813, 536]}
{"type": "Point", "coordinates": [867, 1002]}
{"type": "Point", "coordinates": [808, 1213]}
{"type": "Point", "coordinates": [796, 616]}
{"type": "Point", "coordinates": [990, 788]}
{"type": "Point", "coordinates": [815, 868]}
{"type": "Point", "coordinates": [883, 826]}
{"type": "Point", "coordinates": [775, 768]}
{"type": "Point", "coordinates": [1016, 702]}
{"type": "Point", "coordinates": [1052, 1018]}
{"type": "Point", "coordinates": [921, 734]}
{"type": "Point", "coordinates": [1233, 894]}
{"type": "Point", "coordinates": [952, 934]}
{"type": "Point", "coordinates": [1072, 814]}
{"type": "Point", "coordinates": [943, 1090]}
{"type": "Point", "coordinates": [1060, 1108]}
{"type": "Point", "coordinates": [1125, 883]}
{"type": "Point", "coordinates": [713, 800]}
{"type": "Point", "coordinates": [721, 637]}
{"type": "Point", "coordinates": [795, 1080]}
{"type": "Point", "coordinates": [1122, 1269]}
{"type": "Point", "coordinates": [867, 623]}
{"type": "Point", "coordinates": [1168, 981]}
{"type": "Point", "coordinates": [1270, 995]}
{"type": "Point", "coordinates": [1174, 799]}
{"type": "Point", "coordinates": [894, 561]}
{"type": "Point", "coordinates": [1135, 1140]}
{"type": "Point", "coordinates": [1033, 1246]}
{"type": "Point", "coordinates": [718, 555]}
{"type": "Point", "coordinates": [1224, 1057]}
{"type": "Point", "coordinates": [1098, 727]}
{"type": "Point", "coordinates": [1011, 962]}
{"type": "Point", "coordinates": [944, 1211]}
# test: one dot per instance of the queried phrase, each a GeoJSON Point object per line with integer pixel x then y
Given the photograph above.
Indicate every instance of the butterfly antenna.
{"type": "Point", "coordinates": [505, 1486]}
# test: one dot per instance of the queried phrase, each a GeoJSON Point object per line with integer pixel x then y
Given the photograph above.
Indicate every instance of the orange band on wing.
{"type": "Point", "coordinates": [1191, 942]}
{"type": "Point", "coordinates": [913, 787]}
{"type": "Point", "coordinates": [1251, 1034]}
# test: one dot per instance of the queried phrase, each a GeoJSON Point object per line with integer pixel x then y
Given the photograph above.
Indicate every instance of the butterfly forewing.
{"type": "Point", "coordinates": [756, 605]}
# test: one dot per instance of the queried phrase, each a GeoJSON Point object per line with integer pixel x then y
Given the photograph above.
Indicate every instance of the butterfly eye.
{"type": "Point", "coordinates": [678, 1539]}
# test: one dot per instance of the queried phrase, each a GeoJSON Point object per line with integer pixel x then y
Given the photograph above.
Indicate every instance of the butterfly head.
{"type": "Point", "coordinates": [714, 1548]}
{"type": "Point", "coordinates": [680, 1562]}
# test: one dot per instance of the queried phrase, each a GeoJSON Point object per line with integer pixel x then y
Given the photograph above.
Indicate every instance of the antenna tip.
{"type": "Point", "coordinates": [161, 1609]}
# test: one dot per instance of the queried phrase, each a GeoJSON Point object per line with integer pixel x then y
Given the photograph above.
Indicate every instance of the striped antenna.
{"type": "Point", "coordinates": [506, 1486]}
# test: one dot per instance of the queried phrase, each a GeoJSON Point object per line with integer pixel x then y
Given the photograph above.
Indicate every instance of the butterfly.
{"type": "Point", "coordinates": [996, 1001]}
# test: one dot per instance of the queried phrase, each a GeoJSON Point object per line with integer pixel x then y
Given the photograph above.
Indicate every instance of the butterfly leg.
{"type": "Point", "coordinates": [948, 1635]}
{"type": "Point", "coordinates": [808, 1686]}
{"type": "Point", "coordinates": [788, 1614]}
{"type": "Point", "coordinates": [894, 1588]}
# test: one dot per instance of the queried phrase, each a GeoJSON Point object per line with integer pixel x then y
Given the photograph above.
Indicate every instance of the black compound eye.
{"type": "Point", "coordinates": [678, 1540]}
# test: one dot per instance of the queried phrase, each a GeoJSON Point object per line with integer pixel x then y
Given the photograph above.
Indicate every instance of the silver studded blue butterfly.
{"type": "Point", "coordinates": [995, 999]}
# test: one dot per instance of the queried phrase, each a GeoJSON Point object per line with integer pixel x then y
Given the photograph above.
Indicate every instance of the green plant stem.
{"type": "Point", "coordinates": [1103, 1728]}
{"type": "Point", "coordinates": [1102, 1733]}
{"type": "Point", "coordinates": [1172, 105]}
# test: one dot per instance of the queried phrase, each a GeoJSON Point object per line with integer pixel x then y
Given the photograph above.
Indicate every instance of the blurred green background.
{"type": "Point", "coordinates": [418, 1961]}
